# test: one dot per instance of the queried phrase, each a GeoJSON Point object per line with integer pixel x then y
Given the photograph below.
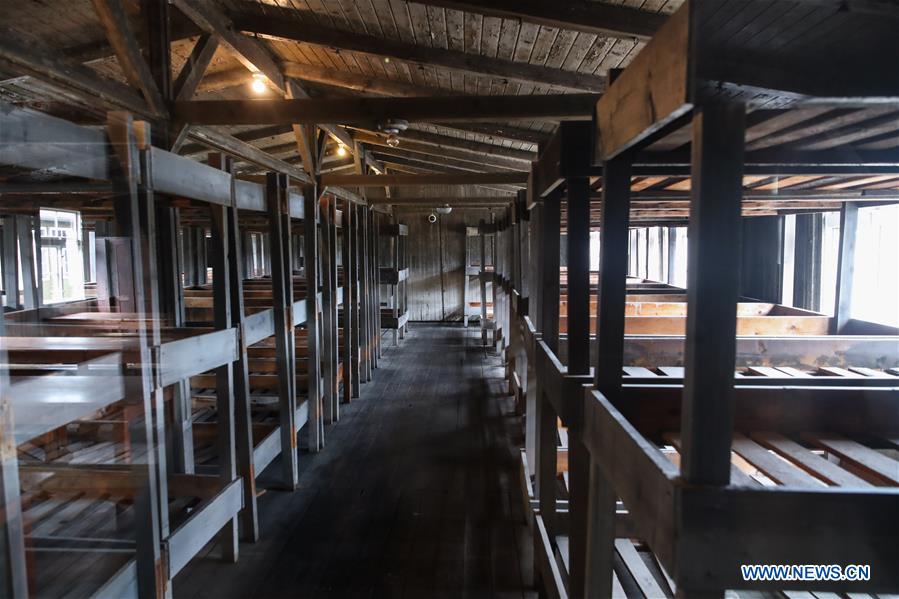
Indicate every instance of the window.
{"type": "Point", "coordinates": [62, 265]}
{"type": "Point", "coordinates": [875, 287]}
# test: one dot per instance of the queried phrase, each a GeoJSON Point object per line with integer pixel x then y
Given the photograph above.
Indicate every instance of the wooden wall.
{"type": "Point", "coordinates": [426, 244]}
{"type": "Point", "coordinates": [762, 258]}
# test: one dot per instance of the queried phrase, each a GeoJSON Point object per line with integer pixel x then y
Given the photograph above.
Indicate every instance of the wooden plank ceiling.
{"type": "Point", "coordinates": [347, 48]}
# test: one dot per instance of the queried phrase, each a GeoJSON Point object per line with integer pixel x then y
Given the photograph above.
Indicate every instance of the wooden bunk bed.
{"type": "Point", "coordinates": [395, 276]}
{"type": "Point", "coordinates": [209, 485]}
{"type": "Point", "coordinates": [742, 479]}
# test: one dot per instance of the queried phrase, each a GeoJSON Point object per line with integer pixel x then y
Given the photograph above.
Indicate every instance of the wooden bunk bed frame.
{"type": "Point", "coordinates": [687, 497]}
{"type": "Point", "coordinates": [174, 354]}
{"type": "Point", "coordinates": [395, 276]}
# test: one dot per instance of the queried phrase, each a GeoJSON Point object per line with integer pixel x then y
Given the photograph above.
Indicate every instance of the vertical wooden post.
{"type": "Point", "coordinates": [712, 292]}
{"type": "Point", "coordinates": [24, 232]}
{"type": "Point", "coordinates": [147, 434]}
{"type": "Point", "coordinates": [482, 280]}
{"type": "Point", "coordinates": [547, 418]}
{"type": "Point", "coordinates": [349, 290]}
{"type": "Point", "coordinates": [612, 295]}
{"type": "Point", "coordinates": [842, 310]}
{"type": "Point", "coordinates": [311, 248]}
{"type": "Point", "coordinates": [282, 297]}
{"type": "Point", "coordinates": [807, 261]}
{"type": "Point", "coordinates": [329, 309]}
{"type": "Point", "coordinates": [224, 375]}
{"type": "Point", "coordinates": [376, 277]}
{"type": "Point", "coordinates": [366, 296]}
{"type": "Point", "coordinates": [13, 566]}
{"type": "Point", "coordinates": [534, 302]}
{"type": "Point", "coordinates": [354, 283]}
{"type": "Point", "coordinates": [10, 262]}
{"type": "Point", "coordinates": [578, 254]}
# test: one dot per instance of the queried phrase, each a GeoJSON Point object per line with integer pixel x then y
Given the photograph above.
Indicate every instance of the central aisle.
{"type": "Point", "coordinates": [415, 495]}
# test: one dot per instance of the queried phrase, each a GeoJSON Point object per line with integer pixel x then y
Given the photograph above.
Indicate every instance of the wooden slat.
{"type": "Point", "coordinates": [810, 462]}
{"type": "Point", "coordinates": [638, 569]}
{"type": "Point", "coordinates": [865, 458]}
{"type": "Point", "coordinates": [778, 470]}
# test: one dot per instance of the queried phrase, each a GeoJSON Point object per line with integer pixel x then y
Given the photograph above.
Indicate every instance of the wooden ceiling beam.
{"type": "Point", "coordinates": [434, 179]}
{"type": "Point", "coordinates": [606, 20]}
{"type": "Point", "coordinates": [473, 147]}
{"type": "Point", "coordinates": [446, 164]}
{"type": "Point", "coordinates": [445, 200]}
{"type": "Point", "coordinates": [248, 51]}
{"type": "Point", "coordinates": [369, 84]}
{"type": "Point", "coordinates": [447, 151]}
{"type": "Point", "coordinates": [128, 53]}
{"type": "Point", "coordinates": [500, 131]}
{"type": "Point", "coordinates": [188, 81]}
{"type": "Point", "coordinates": [77, 80]}
{"type": "Point", "coordinates": [378, 110]}
{"type": "Point", "coordinates": [283, 24]}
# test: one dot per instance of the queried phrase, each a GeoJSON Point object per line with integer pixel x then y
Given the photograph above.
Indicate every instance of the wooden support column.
{"type": "Point", "coordinates": [533, 387]}
{"type": "Point", "coordinates": [366, 296]}
{"type": "Point", "coordinates": [10, 262]}
{"type": "Point", "coordinates": [547, 418]}
{"type": "Point", "coordinates": [375, 228]}
{"type": "Point", "coordinates": [282, 296]}
{"type": "Point", "coordinates": [842, 310]}
{"type": "Point", "coordinates": [482, 281]}
{"type": "Point", "coordinates": [329, 308]}
{"type": "Point", "coordinates": [354, 282]}
{"type": "Point", "coordinates": [612, 294]}
{"type": "Point", "coordinates": [807, 261]}
{"type": "Point", "coordinates": [224, 375]}
{"type": "Point", "coordinates": [200, 256]}
{"type": "Point", "coordinates": [712, 293]}
{"type": "Point", "coordinates": [243, 423]}
{"type": "Point", "coordinates": [578, 255]}
{"type": "Point", "coordinates": [13, 565]}
{"type": "Point", "coordinates": [171, 303]}
{"type": "Point", "coordinates": [310, 238]}
{"type": "Point", "coordinates": [147, 434]}
{"type": "Point", "coordinates": [30, 275]}
{"type": "Point", "coordinates": [349, 294]}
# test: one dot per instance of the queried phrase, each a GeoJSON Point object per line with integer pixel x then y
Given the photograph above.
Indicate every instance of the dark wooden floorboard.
{"type": "Point", "coordinates": [415, 494]}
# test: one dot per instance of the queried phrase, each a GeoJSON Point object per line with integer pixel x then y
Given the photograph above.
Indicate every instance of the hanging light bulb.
{"type": "Point", "coordinates": [258, 85]}
{"type": "Point", "coordinates": [393, 141]}
{"type": "Point", "coordinates": [341, 150]}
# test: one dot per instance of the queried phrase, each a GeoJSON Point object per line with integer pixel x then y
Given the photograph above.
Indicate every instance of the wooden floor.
{"type": "Point", "coordinates": [415, 495]}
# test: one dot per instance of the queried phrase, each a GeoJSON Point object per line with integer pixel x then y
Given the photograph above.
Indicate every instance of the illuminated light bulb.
{"type": "Point", "coordinates": [387, 59]}
{"type": "Point", "coordinates": [393, 141]}
{"type": "Point", "coordinates": [258, 85]}
{"type": "Point", "coordinates": [341, 151]}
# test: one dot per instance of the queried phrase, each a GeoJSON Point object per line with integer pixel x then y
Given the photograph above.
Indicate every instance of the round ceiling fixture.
{"type": "Point", "coordinates": [393, 128]}
{"type": "Point", "coordinates": [432, 218]}
{"type": "Point", "coordinates": [445, 209]}
{"type": "Point", "coordinates": [258, 84]}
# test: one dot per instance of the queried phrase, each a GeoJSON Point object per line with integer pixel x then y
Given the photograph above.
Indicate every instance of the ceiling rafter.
{"type": "Point", "coordinates": [282, 24]}
{"type": "Point", "coordinates": [607, 20]}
